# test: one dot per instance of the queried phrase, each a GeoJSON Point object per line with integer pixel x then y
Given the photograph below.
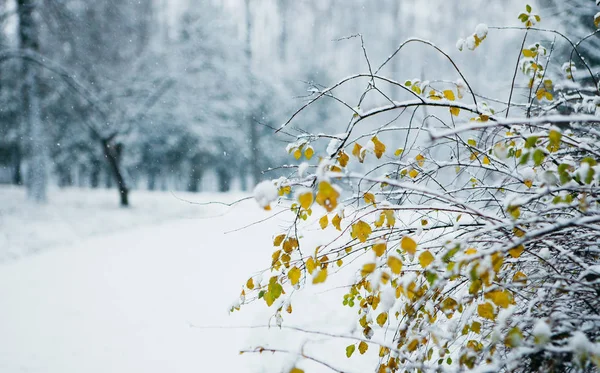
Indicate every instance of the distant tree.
{"type": "Point", "coordinates": [36, 132]}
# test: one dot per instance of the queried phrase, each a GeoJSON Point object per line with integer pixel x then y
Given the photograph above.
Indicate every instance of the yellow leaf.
{"type": "Point", "coordinates": [294, 275]}
{"type": "Point", "coordinates": [518, 232]}
{"type": "Point", "coordinates": [379, 148]}
{"type": "Point", "coordinates": [288, 309]}
{"type": "Point", "coordinates": [476, 327]}
{"type": "Point", "coordinates": [597, 20]}
{"type": "Point", "coordinates": [327, 196]}
{"type": "Point", "coordinates": [454, 111]}
{"type": "Point", "coordinates": [343, 159]}
{"type": "Point", "coordinates": [486, 311]}
{"type": "Point", "coordinates": [369, 198]}
{"type": "Point", "coordinates": [285, 190]}
{"type": "Point", "coordinates": [334, 168]}
{"type": "Point", "coordinates": [420, 160]}
{"type": "Point", "coordinates": [398, 152]}
{"type": "Point", "coordinates": [520, 277]}
{"type": "Point", "coordinates": [514, 211]}
{"type": "Point", "coordinates": [367, 269]}
{"type": "Point", "coordinates": [500, 298]}
{"type": "Point", "coordinates": [471, 251]}
{"type": "Point", "coordinates": [449, 304]}
{"type": "Point", "coordinates": [486, 160]}
{"type": "Point", "coordinates": [528, 183]}
{"type": "Point", "coordinates": [278, 240]}
{"type": "Point", "coordinates": [310, 265]}
{"type": "Point", "coordinates": [250, 283]}
{"type": "Point", "coordinates": [320, 277]}
{"type": "Point", "coordinates": [383, 351]}
{"type": "Point", "coordinates": [285, 259]}
{"type": "Point", "coordinates": [472, 142]}
{"type": "Point", "coordinates": [268, 299]}
{"type": "Point", "coordinates": [497, 261]}
{"type": "Point", "coordinates": [363, 347]}
{"type": "Point", "coordinates": [339, 262]}
{"type": "Point", "coordinates": [361, 230]}
{"type": "Point", "coordinates": [412, 346]}
{"type": "Point", "coordinates": [391, 219]}
{"type": "Point", "coordinates": [426, 258]}
{"type": "Point", "coordinates": [379, 222]}
{"type": "Point", "coordinates": [276, 256]}
{"type": "Point", "coordinates": [296, 370]}
{"type": "Point", "coordinates": [324, 221]}
{"type": "Point", "coordinates": [449, 94]}
{"type": "Point", "coordinates": [305, 200]}
{"type": "Point", "coordinates": [287, 246]}
{"type": "Point", "coordinates": [309, 152]}
{"type": "Point", "coordinates": [297, 153]}
{"type": "Point", "coordinates": [540, 93]}
{"type": "Point", "coordinates": [413, 173]}
{"type": "Point", "coordinates": [433, 95]}
{"type": "Point", "coordinates": [380, 248]}
{"type": "Point", "coordinates": [395, 264]}
{"type": "Point", "coordinates": [336, 222]}
{"type": "Point", "coordinates": [382, 318]}
{"type": "Point", "coordinates": [516, 252]}
{"type": "Point", "coordinates": [358, 152]}
{"type": "Point", "coordinates": [529, 53]}
{"type": "Point", "coordinates": [409, 245]}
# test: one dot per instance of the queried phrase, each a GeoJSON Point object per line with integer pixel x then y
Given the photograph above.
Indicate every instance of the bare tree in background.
{"type": "Point", "coordinates": [37, 180]}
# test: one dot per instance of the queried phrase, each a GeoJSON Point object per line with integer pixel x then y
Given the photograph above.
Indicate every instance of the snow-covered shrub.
{"type": "Point", "coordinates": [475, 238]}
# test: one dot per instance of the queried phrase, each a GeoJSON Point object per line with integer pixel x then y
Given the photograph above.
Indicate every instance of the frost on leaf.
{"type": "Point", "coordinates": [265, 193]}
{"type": "Point", "coordinates": [379, 147]}
{"type": "Point", "coordinates": [327, 196]}
{"type": "Point", "coordinates": [320, 277]}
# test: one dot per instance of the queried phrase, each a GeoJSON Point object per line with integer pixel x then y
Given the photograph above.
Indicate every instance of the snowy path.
{"type": "Point", "coordinates": [124, 302]}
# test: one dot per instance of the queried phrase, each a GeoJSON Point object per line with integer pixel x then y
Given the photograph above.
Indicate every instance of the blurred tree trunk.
{"type": "Point", "coordinates": [196, 174]}
{"type": "Point", "coordinates": [283, 35]}
{"type": "Point", "coordinates": [152, 179]}
{"type": "Point", "coordinates": [17, 177]}
{"type": "Point", "coordinates": [252, 124]}
{"type": "Point", "coordinates": [37, 180]}
{"type": "Point", "coordinates": [113, 152]}
{"type": "Point", "coordinates": [95, 173]}
{"type": "Point", "coordinates": [195, 180]}
{"type": "Point", "coordinates": [224, 179]}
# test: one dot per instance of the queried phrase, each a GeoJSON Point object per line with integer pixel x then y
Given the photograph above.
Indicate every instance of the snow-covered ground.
{"type": "Point", "coordinates": [88, 287]}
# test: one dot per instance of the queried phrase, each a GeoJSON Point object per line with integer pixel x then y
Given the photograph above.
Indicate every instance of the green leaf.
{"type": "Point", "coordinates": [528, 8]}
{"type": "Point", "coordinates": [524, 158]}
{"type": "Point", "coordinates": [350, 350]}
{"type": "Point", "coordinates": [538, 157]}
{"type": "Point", "coordinates": [530, 142]}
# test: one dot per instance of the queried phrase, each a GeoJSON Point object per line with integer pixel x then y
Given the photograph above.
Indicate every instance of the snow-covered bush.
{"type": "Point", "coordinates": [475, 240]}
